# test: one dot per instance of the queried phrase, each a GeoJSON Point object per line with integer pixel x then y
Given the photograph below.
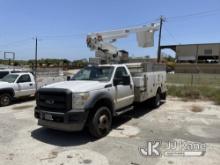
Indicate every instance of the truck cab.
{"type": "Point", "coordinates": [91, 98]}
{"type": "Point", "coordinates": [4, 72]}
{"type": "Point", "coordinates": [15, 85]}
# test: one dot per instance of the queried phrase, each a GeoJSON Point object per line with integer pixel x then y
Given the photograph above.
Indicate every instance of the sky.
{"type": "Point", "coordinates": [62, 25]}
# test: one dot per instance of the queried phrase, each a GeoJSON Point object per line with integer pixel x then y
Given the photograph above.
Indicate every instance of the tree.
{"type": "Point", "coordinates": [16, 63]}
{"type": "Point", "coordinates": [167, 57]}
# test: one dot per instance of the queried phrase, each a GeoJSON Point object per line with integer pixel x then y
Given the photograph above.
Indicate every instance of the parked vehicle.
{"type": "Point", "coordinates": [98, 93]}
{"type": "Point", "coordinates": [4, 72]}
{"type": "Point", "coordinates": [16, 85]}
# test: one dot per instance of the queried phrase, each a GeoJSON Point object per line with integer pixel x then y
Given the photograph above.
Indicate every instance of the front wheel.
{"type": "Point", "coordinates": [5, 99]}
{"type": "Point", "coordinates": [100, 122]}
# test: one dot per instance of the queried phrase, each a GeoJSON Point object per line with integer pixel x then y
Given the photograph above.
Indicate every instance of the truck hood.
{"type": "Point", "coordinates": [4, 84]}
{"type": "Point", "coordinates": [79, 86]}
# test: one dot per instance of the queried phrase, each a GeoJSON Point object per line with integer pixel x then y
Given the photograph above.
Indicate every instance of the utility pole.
{"type": "Point", "coordinates": [159, 40]}
{"type": "Point", "coordinates": [35, 68]}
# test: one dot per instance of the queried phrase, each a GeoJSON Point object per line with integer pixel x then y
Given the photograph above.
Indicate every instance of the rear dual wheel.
{"type": "Point", "coordinates": [157, 100]}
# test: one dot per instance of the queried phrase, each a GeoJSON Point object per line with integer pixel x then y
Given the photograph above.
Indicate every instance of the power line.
{"type": "Point", "coordinates": [55, 37]}
{"type": "Point", "coordinates": [85, 34]}
{"type": "Point", "coordinates": [170, 34]}
{"type": "Point", "coordinates": [16, 42]}
{"type": "Point", "coordinates": [191, 18]}
{"type": "Point", "coordinates": [202, 13]}
{"type": "Point", "coordinates": [195, 14]}
{"type": "Point", "coordinates": [61, 36]}
{"type": "Point", "coordinates": [172, 19]}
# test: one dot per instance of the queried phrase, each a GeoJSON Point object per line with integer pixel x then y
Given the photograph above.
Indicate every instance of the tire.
{"type": "Point", "coordinates": [157, 100]}
{"type": "Point", "coordinates": [100, 122]}
{"type": "Point", "coordinates": [5, 99]}
{"type": "Point", "coordinates": [164, 96]}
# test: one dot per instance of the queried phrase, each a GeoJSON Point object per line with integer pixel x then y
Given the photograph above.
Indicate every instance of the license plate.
{"type": "Point", "coordinates": [48, 117]}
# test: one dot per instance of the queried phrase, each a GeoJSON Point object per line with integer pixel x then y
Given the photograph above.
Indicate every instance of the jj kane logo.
{"type": "Point", "coordinates": [152, 148]}
{"type": "Point", "coordinates": [180, 148]}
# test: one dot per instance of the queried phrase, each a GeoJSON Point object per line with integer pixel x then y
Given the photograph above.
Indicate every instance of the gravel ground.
{"type": "Point", "coordinates": [23, 142]}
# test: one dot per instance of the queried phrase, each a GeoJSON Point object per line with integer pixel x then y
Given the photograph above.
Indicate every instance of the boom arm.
{"type": "Point", "coordinates": [102, 41]}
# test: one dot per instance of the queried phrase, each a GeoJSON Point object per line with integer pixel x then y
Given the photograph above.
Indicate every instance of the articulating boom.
{"type": "Point", "coordinates": [101, 42]}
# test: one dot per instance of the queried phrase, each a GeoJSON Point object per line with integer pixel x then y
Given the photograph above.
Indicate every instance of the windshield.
{"type": "Point", "coordinates": [10, 78]}
{"type": "Point", "coordinates": [94, 74]}
{"type": "Point", "coordinates": [3, 74]}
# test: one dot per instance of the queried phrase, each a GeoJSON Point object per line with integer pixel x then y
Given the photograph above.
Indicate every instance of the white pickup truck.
{"type": "Point", "coordinates": [4, 72]}
{"type": "Point", "coordinates": [98, 93]}
{"type": "Point", "coordinates": [15, 85]}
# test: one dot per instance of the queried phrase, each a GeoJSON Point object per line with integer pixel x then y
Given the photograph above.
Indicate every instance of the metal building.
{"type": "Point", "coordinates": [196, 58]}
{"type": "Point", "coordinates": [196, 53]}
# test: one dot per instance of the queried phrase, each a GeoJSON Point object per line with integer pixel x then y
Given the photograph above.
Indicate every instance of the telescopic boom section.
{"type": "Point", "coordinates": [103, 40]}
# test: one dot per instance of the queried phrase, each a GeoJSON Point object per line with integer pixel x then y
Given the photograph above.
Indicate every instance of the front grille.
{"type": "Point", "coordinates": [54, 99]}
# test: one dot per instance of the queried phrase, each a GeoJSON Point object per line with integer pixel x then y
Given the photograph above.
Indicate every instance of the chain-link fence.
{"type": "Point", "coordinates": [194, 79]}
{"type": "Point", "coordinates": [46, 76]}
{"type": "Point", "coordinates": [49, 72]}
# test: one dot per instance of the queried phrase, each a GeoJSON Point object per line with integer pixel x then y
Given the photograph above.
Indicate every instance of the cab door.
{"type": "Point", "coordinates": [25, 86]}
{"type": "Point", "coordinates": [124, 93]}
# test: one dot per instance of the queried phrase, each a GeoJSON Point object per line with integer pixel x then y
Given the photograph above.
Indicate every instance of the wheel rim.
{"type": "Point", "coordinates": [103, 123]}
{"type": "Point", "coordinates": [5, 100]}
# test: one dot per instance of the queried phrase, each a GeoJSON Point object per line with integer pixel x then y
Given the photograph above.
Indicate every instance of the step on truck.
{"type": "Point", "coordinates": [96, 94]}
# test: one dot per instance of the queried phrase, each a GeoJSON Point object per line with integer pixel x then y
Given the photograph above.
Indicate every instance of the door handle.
{"type": "Point", "coordinates": [31, 84]}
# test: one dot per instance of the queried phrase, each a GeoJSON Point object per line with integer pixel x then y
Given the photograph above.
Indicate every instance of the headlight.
{"type": "Point", "coordinates": [79, 100]}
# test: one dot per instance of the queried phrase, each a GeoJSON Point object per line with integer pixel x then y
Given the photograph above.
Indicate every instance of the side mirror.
{"type": "Point", "coordinates": [68, 78]}
{"type": "Point", "coordinates": [126, 80]}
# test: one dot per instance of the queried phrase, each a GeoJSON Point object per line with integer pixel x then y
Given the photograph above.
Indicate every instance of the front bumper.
{"type": "Point", "coordinates": [72, 120]}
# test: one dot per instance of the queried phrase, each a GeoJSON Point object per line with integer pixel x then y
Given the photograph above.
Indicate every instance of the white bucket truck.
{"type": "Point", "coordinates": [98, 93]}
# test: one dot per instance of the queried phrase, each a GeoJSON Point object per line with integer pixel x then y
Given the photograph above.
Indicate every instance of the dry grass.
{"type": "Point", "coordinates": [195, 92]}
{"type": "Point", "coordinates": [194, 79]}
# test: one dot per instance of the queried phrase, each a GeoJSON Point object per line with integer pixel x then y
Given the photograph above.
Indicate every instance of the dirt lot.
{"type": "Point", "coordinates": [23, 142]}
